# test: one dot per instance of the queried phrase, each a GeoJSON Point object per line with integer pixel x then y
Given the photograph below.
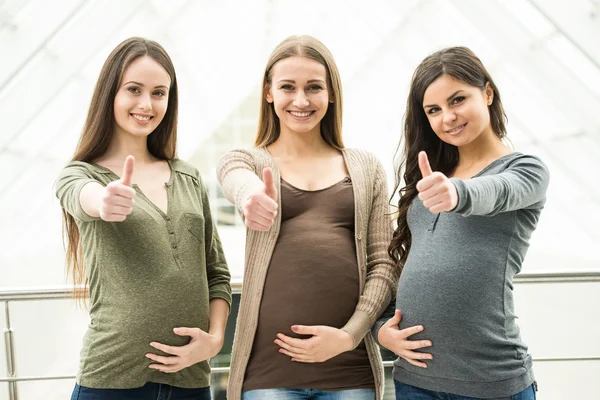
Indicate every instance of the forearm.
{"type": "Point", "coordinates": [219, 310]}
{"type": "Point", "coordinates": [237, 176]}
{"type": "Point", "coordinates": [387, 314]}
{"type": "Point", "coordinates": [90, 198]}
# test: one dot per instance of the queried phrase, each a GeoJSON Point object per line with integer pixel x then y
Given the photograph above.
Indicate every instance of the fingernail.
{"type": "Point", "coordinates": [420, 328]}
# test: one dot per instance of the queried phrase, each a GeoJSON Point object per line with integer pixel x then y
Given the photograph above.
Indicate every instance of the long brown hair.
{"type": "Point", "coordinates": [461, 64]}
{"type": "Point", "coordinates": [99, 129]}
{"type": "Point", "coordinates": [331, 125]}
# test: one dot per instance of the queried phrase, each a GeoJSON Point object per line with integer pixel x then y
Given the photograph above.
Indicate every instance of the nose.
{"type": "Point", "coordinates": [300, 100]}
{"type": "Point", "coordinates": [449, 117]}
{"type": "Point", "coordinates": [145, 103]}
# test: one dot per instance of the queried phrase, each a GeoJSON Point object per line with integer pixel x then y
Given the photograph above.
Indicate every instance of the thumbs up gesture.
{"type": "Point", "coordinates": [260, 208]}
{"type": "Point", "coordinates": [436, 191]}
{"type": "Point", "coordinates": [118, 196]}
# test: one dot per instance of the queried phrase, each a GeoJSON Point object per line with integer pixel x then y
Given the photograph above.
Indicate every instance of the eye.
{"type": "Point", "coordinates": [286, 87]}
{"type": "Point", "coordinates": [458, 100]}
{"type": "Point", "coordinates": [315, 88]}
{"type": "Point", "coordinates": [134, 89]}
{"type": "Point", "coordinates": [432, 110]}
{"type": "Point", "coordinates": [159, 93]}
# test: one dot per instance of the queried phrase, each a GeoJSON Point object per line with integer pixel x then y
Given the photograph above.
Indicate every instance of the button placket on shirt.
{"type": "Point", "coordinates": [433, 222]}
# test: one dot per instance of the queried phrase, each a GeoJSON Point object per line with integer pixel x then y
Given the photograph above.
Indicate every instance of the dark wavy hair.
{"type": "Point", "coordinates": [462, 64]}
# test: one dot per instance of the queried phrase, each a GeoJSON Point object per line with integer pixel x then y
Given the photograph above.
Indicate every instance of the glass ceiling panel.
{"type": "Point", "coordinates": [27, 28]}
{"type": "Point", "coordinates": [577, 19]}
{"type": "Point", "coordinates": [39, 82]}
{"type": "Point", "coordinates": [219, 50]}
{"type": "Point", "coordinates": [542, 70]}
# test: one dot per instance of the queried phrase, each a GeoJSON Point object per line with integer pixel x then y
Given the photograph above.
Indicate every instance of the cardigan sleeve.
{"type": "Point", "coordinates": [237, 176]}
{"type": "Point", "coordinates": [382, 274]}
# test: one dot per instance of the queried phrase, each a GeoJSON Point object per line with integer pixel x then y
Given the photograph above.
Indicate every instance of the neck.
{"type": "Point", "coordinates": [292, 144]}
{"type": "Point", "coordinates": [487, 147]}
{"type": "Point", "coordinates": [123, 145]}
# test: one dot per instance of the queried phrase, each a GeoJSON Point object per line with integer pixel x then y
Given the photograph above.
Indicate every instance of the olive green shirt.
{"type": "Point", "coordinates": [147, 275]}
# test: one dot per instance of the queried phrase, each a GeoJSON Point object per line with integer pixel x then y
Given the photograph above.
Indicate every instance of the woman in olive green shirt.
{"type": "Point", "coordinates": [140, 222]}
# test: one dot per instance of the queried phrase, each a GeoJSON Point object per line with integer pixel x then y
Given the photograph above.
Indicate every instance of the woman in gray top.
{"type": "Point", "coordinates": [467, 210]}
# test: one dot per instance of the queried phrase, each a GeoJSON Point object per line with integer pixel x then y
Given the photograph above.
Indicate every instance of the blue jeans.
{"type": "Point", "coordinates": [408, 392]}
{"type": "Point", "coordinates": [308, 394]}
{"type": "Point", "coordinates": [150, 391]}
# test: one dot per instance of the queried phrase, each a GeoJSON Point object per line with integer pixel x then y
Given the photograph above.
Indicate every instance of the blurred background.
{"type": "Point", "coordinates": [544, 57]}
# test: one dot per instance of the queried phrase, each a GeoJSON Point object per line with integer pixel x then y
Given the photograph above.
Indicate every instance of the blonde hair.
{"type": "Point", "coordinates": [309, 47]}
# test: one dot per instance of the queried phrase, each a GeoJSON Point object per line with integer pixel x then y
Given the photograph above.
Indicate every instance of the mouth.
{"type": "Point", "coordinates": [141, 119]}
{"type": "Point", "coordinates": [301, 115]}
{"type": "Point", "coordinates": [456, 130]}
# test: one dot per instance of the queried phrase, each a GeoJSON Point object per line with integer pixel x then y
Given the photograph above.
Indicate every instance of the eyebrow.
{"type": "Point", "coordinates": [141, 84]}
{"type": "Point", "coordinates": [309, 81]}
{"type": "Point", "coordinates": [448, 99]}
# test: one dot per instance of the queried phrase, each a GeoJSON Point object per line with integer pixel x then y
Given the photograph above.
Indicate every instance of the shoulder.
{"type": "Point", "coordinates": [518, 158]}
{"type": "Point", "coordinates": [360, 154]}
{"type": "Point", "coordinates": [253, 159]}
{"type": "Point", "coordinates": [256, 153]}
{"type": "Point", "coordinates": [363, 160]}
{"type": "Point", "coordinates": [184, 168]}
{"type": "Point", "coordinates": [527, 162]}
{"type": "Point", "coordinates": [84, 169]}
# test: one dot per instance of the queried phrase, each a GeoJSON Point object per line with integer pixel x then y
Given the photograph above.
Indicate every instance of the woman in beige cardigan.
{"type": "Point", "coordinates": [317, 272]}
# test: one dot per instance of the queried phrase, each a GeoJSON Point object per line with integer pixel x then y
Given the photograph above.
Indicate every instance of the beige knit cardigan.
{"type": "Point", "coordinates": [238, 172]}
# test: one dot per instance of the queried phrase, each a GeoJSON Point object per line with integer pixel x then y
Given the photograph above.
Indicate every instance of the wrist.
{"type": "Point", "coordinates": [217, 340]}
{"type": "Point", "coordinates": [347, 340]}
{"type": "Point", "coordinates": [382, 337]}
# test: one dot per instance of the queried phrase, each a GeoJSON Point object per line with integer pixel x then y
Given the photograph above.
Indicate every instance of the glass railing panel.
{"type": "Point", "coordinates": [47, 337]}
{"type": "Point", "coordinates": [47, 390]}
{"type": "Point", "coordinates": [3, 391]}
{"type": "Point", "coordinates": [3, 371]}
{"type": "Point", "coordinates": [568, 379]}
{"type": "Point", "coordinates": [559, 320]}
{"type": "Point", "coordinates": [218, 386]}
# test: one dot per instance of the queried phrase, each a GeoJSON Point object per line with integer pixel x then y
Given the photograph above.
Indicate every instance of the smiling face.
{"type": "Point", "coordinates": [299, 94]}
{"type": "Point", "coordinates": [142, 98]}
{"type": "Point", "coordinates": [458, 112]}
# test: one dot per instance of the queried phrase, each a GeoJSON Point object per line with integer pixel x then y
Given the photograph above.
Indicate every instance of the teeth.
{"type": "Point", "coordinates": [456, 129]}
{"type": "Point", "coordinates": [300, 114]}
{"type": "Point", "coordinates": [140, 117]}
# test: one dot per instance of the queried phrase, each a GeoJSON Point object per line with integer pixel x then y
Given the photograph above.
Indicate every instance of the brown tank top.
{"type": "Point", "coordinates": [312, 280]}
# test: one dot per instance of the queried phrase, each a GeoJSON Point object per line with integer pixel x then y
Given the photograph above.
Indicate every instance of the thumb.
{"type": "Point", "coordinates": [424, 164]}
{"type": "Point", "coordinates": [192, 332]}
{"type": "Point", "coordinates": [127, 170]}
{"type": "Point", "coordinates": [270, 189]}
{"type": "Point", "coordinates": [305, 330]}
{"type": "Point", "coordinates": [395, 320]}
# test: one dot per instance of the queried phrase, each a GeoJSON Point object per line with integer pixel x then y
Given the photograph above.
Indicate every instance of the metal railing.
{"type": "Point", "coordinates": [8, 296]}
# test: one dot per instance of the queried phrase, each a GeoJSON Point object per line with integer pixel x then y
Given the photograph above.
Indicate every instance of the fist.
{"type": "Point", "coordinates": [436, 191]}
{"type": "Point", "coordinates": [260, 208]}
{"type": "Point", "coordinates": [118, 196]}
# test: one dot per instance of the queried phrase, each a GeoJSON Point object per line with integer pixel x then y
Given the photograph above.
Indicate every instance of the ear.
{"type": "Point", "coordinates": [488, 93]}
{"type": "Point", "coordinates": [268, 95]}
